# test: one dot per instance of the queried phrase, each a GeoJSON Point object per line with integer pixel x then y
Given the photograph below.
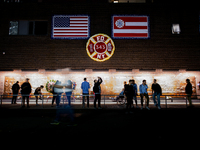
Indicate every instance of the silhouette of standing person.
{"type": "Point", "coordinates": [26, 90]}
{"type": "Point", "coordinates": [188, 91]}
{"type": "Point", "coordinates": [129, 95]}
{"type": "Point", "coordinates": [143, 92]}
{"type": "Point", "coordinates": [15, 89]}
{"type": "Point", "coordinates": [97, 91]}
{"type": "Point", "coordinates": [85, 86]}
{"type": "Point", "coordinates": [156, 91]}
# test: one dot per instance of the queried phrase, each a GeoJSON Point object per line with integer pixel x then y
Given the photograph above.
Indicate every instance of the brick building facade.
{"type": "Point", "coordinates": [163, 50]}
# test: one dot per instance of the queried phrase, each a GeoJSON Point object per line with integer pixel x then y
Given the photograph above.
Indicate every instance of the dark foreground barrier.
{"type": "Point", "coordinates": [105, 99]}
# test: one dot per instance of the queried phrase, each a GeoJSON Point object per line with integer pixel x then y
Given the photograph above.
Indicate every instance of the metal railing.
{"type": "Point", "coordinates": [164, 98]}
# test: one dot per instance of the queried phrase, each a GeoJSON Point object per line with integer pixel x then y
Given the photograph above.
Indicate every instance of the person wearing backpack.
{"type": "Point", "coordinates": [97, 91]}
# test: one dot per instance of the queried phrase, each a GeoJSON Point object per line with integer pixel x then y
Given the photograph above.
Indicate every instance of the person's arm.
{"type": "Point", "coordinates": [160, 90]}
{"type": "Point", "coordinates": [141, 91]}
{"type": "Point", "coordinates": [146, 87]}
{"type": "Point", "coordinates": [140, 88]}
{"type": "Point", "coordinates": [88, 86]}
{"type": "Point", "coordinates": [135, 89]}
{"type": "Point", "coordinates": [152, 88]}
{"type": "Point", "coordinates": [100, 80]}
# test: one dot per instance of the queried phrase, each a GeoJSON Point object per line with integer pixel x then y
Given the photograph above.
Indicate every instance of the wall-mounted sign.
{"type": "Point", "coordinates": [100, 47]}
{"type": "Point", "coordinates": [70, 27]}
{"type": "Point", "coordinates": [130, 27]}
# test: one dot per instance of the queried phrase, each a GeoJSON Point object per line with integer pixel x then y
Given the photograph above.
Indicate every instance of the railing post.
{"type": "Point", "coordinates": [63, 99]}
{"type": "Point", "coordinates": [1, 100]}
{"type": "Point", "coordinates": [21, 100]}
{"type": "Point", "coordinates": [42, 101]}
{"type": "Point", "coordinates": [104, 101]}
{"type": "Point", "coordinates": [186, 101]}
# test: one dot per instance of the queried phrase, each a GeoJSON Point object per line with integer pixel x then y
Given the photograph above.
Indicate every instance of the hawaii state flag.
{"type": "Point", "coordinates": [130, 27]}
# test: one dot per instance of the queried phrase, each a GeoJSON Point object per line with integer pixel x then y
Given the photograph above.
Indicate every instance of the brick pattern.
{"type": "Point", "coordinates": [162, 51]}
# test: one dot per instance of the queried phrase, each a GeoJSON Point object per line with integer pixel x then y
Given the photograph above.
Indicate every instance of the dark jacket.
{"type": "Point", "coordinates": [188, 88]}
{"type": "Point", "coordinates": [97, 87]}
{"type": "Point", "coordinates": [15, 88]}
{"type": "Point", "coordinates": [129, 90]}
{"type": "Point", "coordinates": [156, 88]}
{"type": "Point", "coordinates": [37, 91]}
{"type": "Point", "coordinates": [26, 88]}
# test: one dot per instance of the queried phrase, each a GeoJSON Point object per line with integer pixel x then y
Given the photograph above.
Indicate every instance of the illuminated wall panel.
{"type": "Point", "coordinates": [171, 82]}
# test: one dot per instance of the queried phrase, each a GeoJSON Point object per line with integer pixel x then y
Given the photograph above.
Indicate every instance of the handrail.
{"type": "Point", "coordinates": [1, 96]}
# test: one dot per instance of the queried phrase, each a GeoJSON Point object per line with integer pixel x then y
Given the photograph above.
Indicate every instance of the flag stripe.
{"type": "Point", "coordinates": [70, 33]}
{"type": "Point", "coordinates": [144, 35]}
{"type": "Point", "coordinates": [78, 25]}
{"type": "Point", "coordinates": [72, 28]}
{"type": "Point", "coordinates": [70, 36]}
{"type": "Point", "coordinates": [136, 24]}
{"type": "Point", "coordinates": [130, 31]}
{"type": "Point", "coordinates": [81, 18]}
{"type": "Point", "coordinates": [132, 27]}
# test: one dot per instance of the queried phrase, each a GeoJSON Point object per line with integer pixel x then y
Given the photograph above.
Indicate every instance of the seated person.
{"type": "Point", "coordinates": [120, 97]}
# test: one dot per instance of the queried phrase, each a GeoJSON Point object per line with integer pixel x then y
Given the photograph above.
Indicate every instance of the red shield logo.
{"type": "Point", "coordinates": [100, 47]}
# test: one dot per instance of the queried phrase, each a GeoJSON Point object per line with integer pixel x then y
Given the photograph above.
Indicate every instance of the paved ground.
{"type": "Point", "coordinates": [177, 125]}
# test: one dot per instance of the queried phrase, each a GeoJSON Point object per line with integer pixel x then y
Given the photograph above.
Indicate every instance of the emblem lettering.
{"type": "Point", "coordinates": [100, 38]}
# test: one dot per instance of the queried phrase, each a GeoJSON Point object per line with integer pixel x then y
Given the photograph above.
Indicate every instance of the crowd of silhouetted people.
{"type": "Point", "coordinates": [128, 93]}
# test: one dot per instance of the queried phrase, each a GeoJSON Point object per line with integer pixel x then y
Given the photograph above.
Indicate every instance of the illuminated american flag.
{"type": "Point", "coordinates": [67, 27]}
{"type": "Point", "coordinates": [130, 27]}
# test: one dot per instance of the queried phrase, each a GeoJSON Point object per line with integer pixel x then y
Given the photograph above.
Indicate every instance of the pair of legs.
{"type": "Point", "coordinates": [85, 95]}
{"type": "Point", "coordinates": [158, 98]}
{"type": "Point", "coordinates": [14, 98]}
{"type": "Point", "coordinates": [129, 102]}
{"type": "Point", "coordinates": [58, 98]}
{"type": "Point", "coordinates": [23, 101]}
{"type": "Point", "coordinates": [68, 94]}
{"type": "Point", "coordinates": [189, 99]}
{"type": "Point", "coordinates": [135, 98]}
{"type": "Point", "coordinates": [147, 98]}
{"type": "Point", "coordinates": [36, 96]}
{"type": "Point", "coordinates": [97, 97]}
{"type": "Point", "coordinates": [53, 99]}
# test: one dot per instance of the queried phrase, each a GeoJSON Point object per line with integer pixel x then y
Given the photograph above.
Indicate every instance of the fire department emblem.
{"type": "Point", "coordinates": [100, 47]}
